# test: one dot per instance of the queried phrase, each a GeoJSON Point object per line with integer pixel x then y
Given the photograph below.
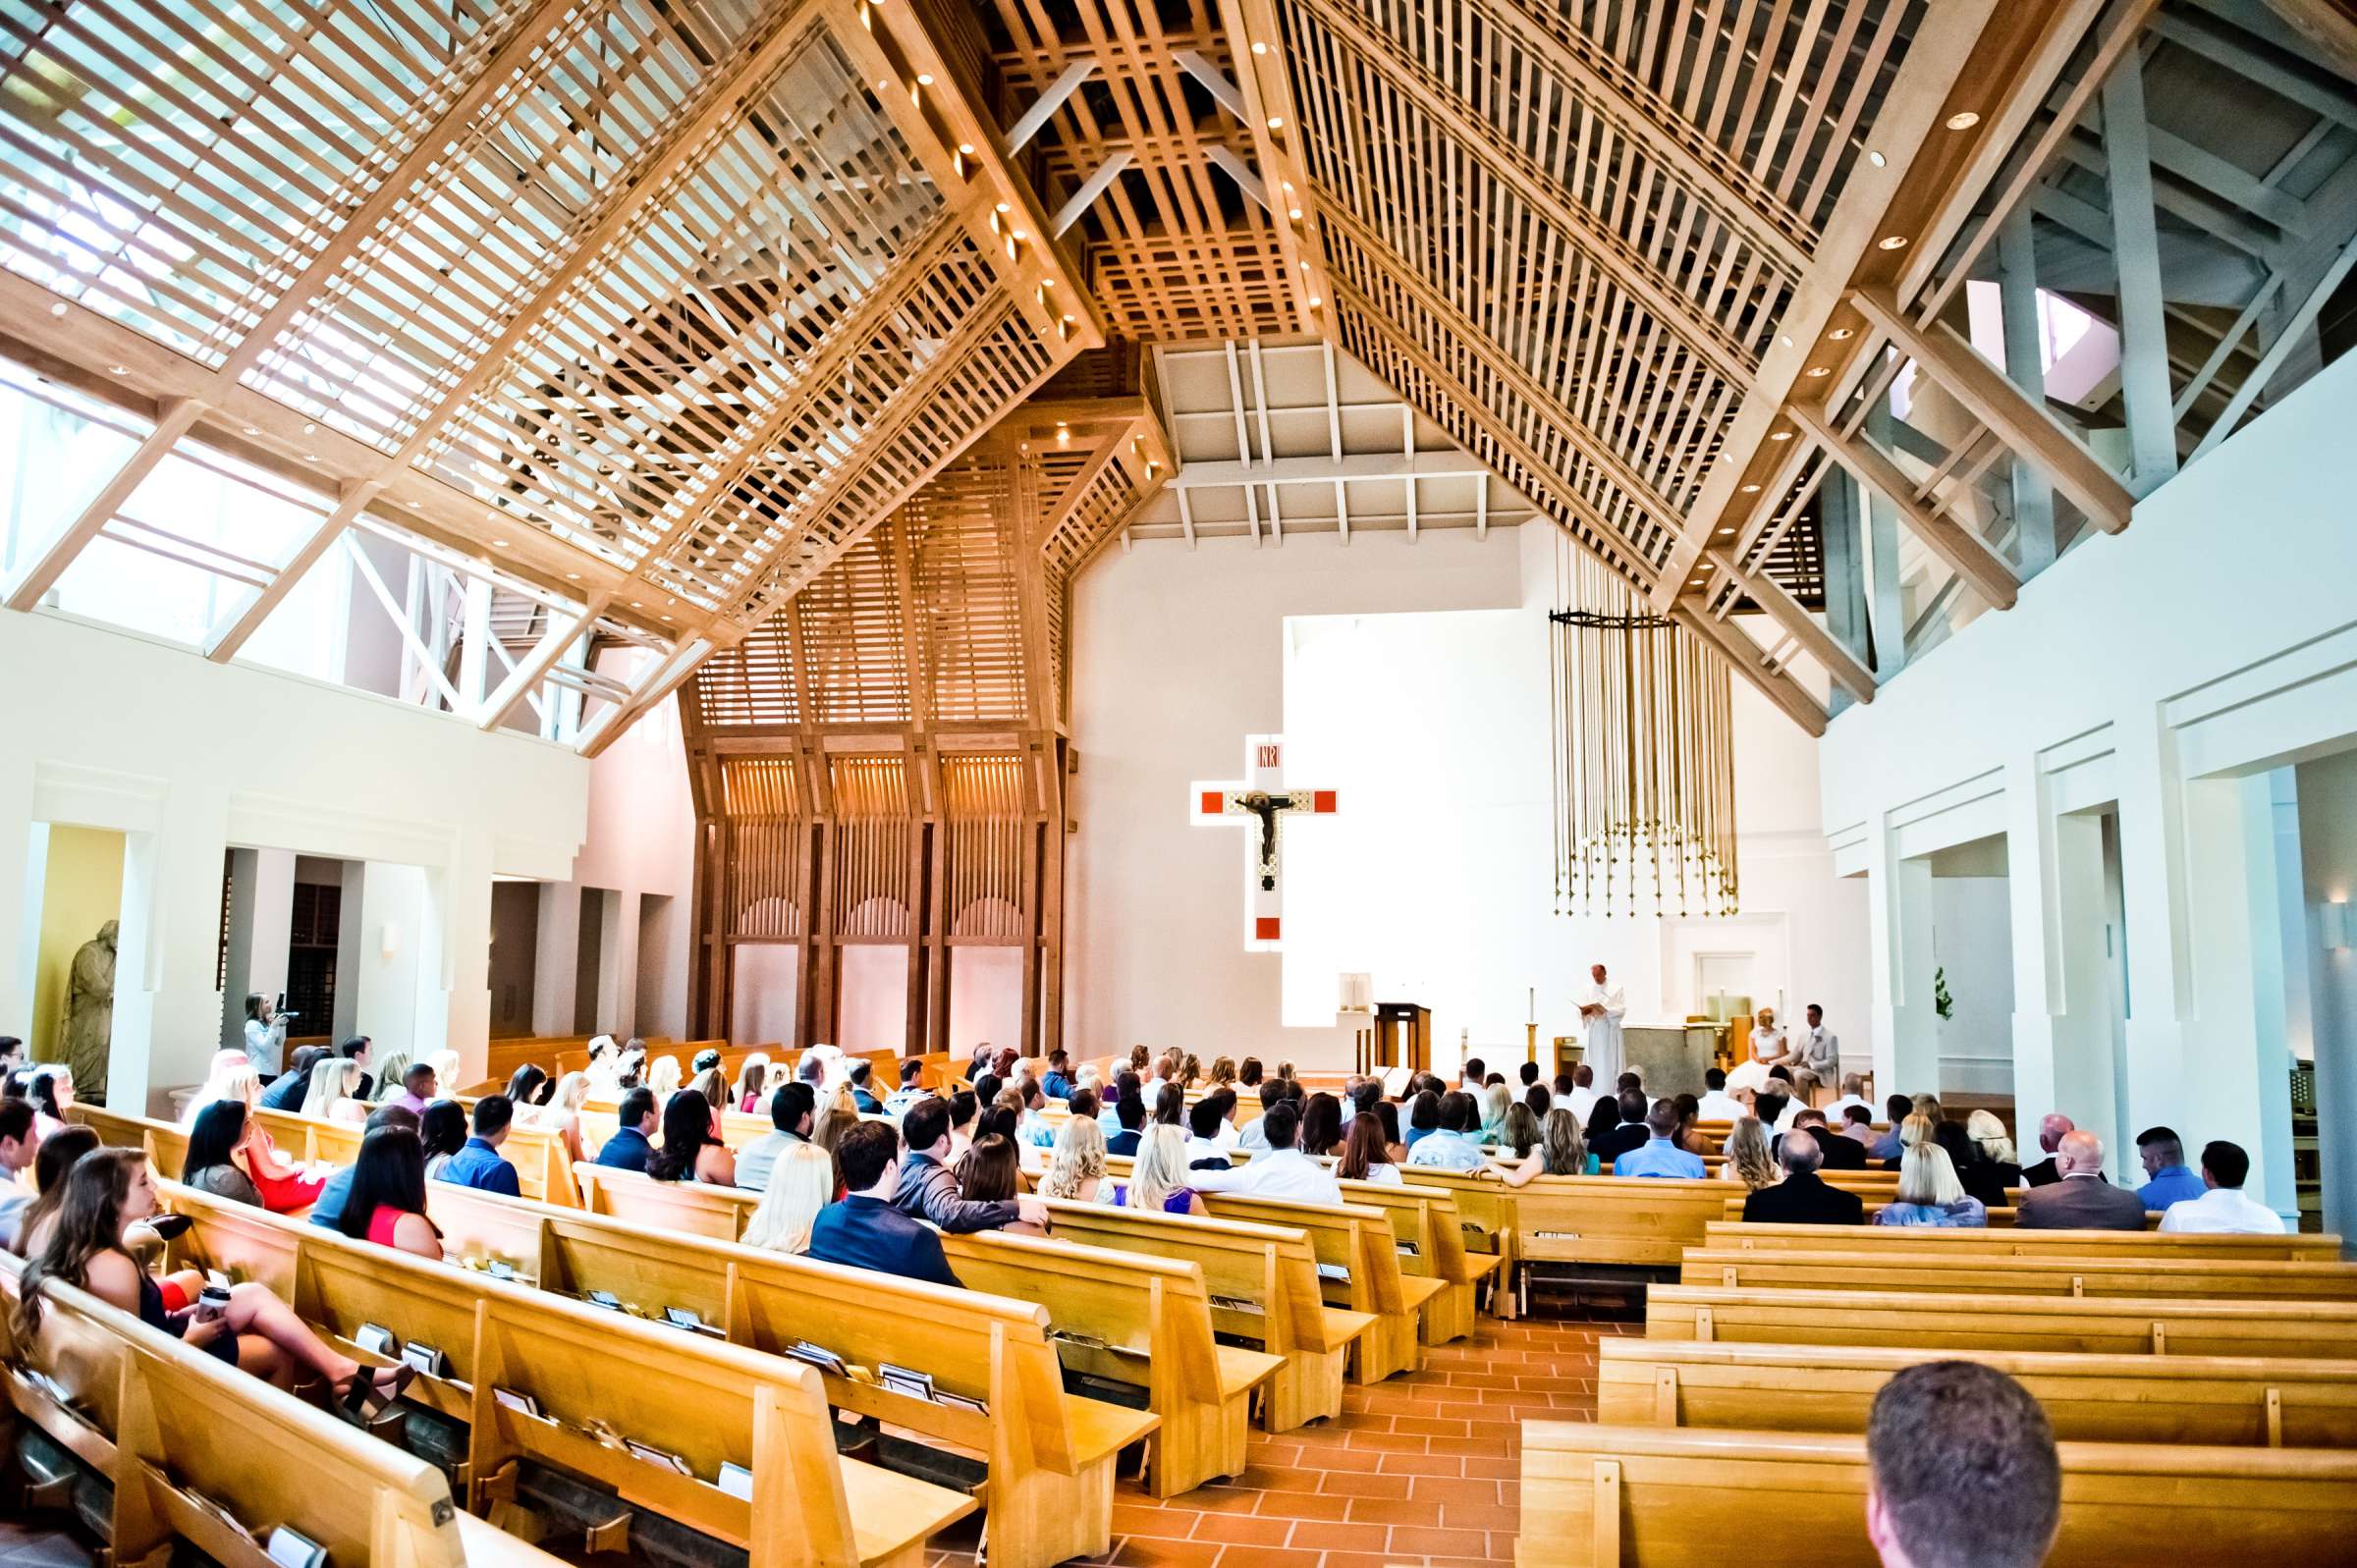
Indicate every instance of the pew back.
{"type": "Point", "coordinates": [1838, 1266]}
{"type": "Point", "coordinates": [2029, 1243]}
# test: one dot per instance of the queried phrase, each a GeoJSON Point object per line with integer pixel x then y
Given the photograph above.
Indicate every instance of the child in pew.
{"type": "Point", "coordinates": [108, 1190]}
{"type": "Point", "coordinates": [387, 1202]}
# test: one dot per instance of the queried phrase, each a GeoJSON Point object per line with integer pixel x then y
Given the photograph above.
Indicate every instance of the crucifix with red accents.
{"type": "Point", "coordinates": [1260, 804]}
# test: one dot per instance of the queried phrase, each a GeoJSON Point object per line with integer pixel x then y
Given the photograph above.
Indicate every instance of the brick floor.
{"type": "Point", "coordinates": [1418, 1470]}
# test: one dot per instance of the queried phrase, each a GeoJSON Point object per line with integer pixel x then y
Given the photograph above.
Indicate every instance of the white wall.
{"type": "Point", "coordinates": [1411, 678]}
{"type": "Point", "coordinates": [1972, 942]}
{"type": "Point", "coordinates": [2164, 670]}
{"type": "Point", "coordinates": [2327, 821]}
{"type": "Point", "coordinates": [112, 730]}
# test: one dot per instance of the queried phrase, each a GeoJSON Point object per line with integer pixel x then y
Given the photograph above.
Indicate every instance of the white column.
{"type": "Point", "coordinates": [261, 920]}
{"type": "Point", "coordinates": [2063, 1052]}
{"type": "Point", "coordinates": [556, 961]}
{"type": "Point", "coordinates": [2153, 877]}
{"type": "Point", "coordinates": [454, 956]}
{"type": "Point", "coordinates": [618, 983]}
{"type": "Point", "coordinates": [167, 1011]}
{"type": "Point", "coordinates": [1906, 1030]}
{"type": "Point", "coordinates": [23, 868]}
{"type": "Point", "coordinates": [352, 931]}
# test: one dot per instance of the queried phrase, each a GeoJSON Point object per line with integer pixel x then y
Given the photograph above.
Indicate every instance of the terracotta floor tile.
{"type": "Point", "coordinates": [1147, 1552]}
{"type": "Point", "coordinates": [1413, 1541]}
{"type": "Point", "coordinates": [1389, 1511]}
{"type": "Point", "coordinates": [1422, 1465]}
{"type": "Point", "coordinates": [1263, 1557]}
{"type": "Point", "coordinates": [1339, 1484]}
{"type": "Point", "coordinates": [1298, 1505]}
{"type": "Point", "coordinates": [1243, 1530]}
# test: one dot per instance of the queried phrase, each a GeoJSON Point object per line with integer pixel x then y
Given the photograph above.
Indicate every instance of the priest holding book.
{"type": "Point", "coordinates": [1600, 1014]}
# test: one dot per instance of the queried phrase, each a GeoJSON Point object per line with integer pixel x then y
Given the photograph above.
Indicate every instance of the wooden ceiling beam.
{"type": "Point", "coordinates": [1798, 624]}
{"type": "Point", "coordinates": [1967, 554]}
{"type": "Point", "coordinates": [1773, 681]}
{"type": "Point", "coordinates": [1993, 60]}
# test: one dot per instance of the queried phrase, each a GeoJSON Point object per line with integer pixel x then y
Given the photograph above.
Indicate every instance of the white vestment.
{"type": "Point", "coordinates": [1601, 1033]}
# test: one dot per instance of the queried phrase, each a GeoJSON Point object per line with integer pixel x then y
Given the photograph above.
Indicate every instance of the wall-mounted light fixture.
{"type": "Point", "coordinates": [2336, 925]}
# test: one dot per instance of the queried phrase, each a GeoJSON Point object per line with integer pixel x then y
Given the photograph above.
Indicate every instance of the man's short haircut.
{"type": "Point", "coordinates": [2229, 1165]}
{"type": "Point", "coordinates": [1962, 1462]}
{"type": "Point", "coordinates": [638, 1106]}
{"type": "Point", "coordinates": [390, 1116]}
{"type": "Point", "coordinates": [813, 1068]}
{"type": "Point", "coordinates": [15, 1118]}
{"type": "Point", "coordinates": [786, 1108]}
{"type": "Point", "coordinates": [926, 1124]}
{"type": "Point", "coordinates": [1367, 1096]}
{"type": "Point", "coordinates": [1282, 1124]}
{"type": "Point", "coordinates": [1770, 1106]}
{"type": "Point", "coordinates": [1629, 1080]}
{"type": "Point", "coordinates": [861, 1071]}
{"type": "Point", "coordinates": [1459, 1111]}
{"type": "Point", "coordinates": [1780, 1074]}
{"type": "Point", "coordinates": [1083, 1103]}
{"type": "Point", "coordinates": [1898, 1107]}
{"type": "Point", "coordinates": [1632, 1104]}
{"type": "Point", "coordinates": [1130, 1112]}
{"type": "Point", "coordinates": [1583, 1076]}
{"type": "Point", "coordinates": [1860, 1115]}
{"type": "Point", "coordinates": [1273, 1092]}
{"type": "Point", "coordinates": [1808, 1118]}
{"type": "Point", "coordinates": [1662, 1119]}
{"type": "Point", "coordinates": [1529, 1072]}
{"type": "Point", "coordinates": [962, 1106]}
{"type": "Point", "coordinates": [1565, 1085]}
{"type": "Point", "coordinates": [1799, 1152]}
{"type": "Point", "coordinates": [2174, 1147]}
{"type": "Point", "coordinates": [911, 1070]}
{"type": "Point", "coordinates": [417, 1073]}
{"type": "Point", "coordinates": [1204, 1120]}
{"type": "Point", "coordinates": [866, 1149]}
{"type": "Point", "coordinates": [1473, 1069]}
{"type": "Point", "coordinates": [353, 1047]}
{"type": "Point", "coordinates": [1713, 1079]}
{"type": "Point", "coordinates": [492, 1113]}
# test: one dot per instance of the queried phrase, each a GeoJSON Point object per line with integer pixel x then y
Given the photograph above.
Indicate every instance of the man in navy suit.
{"type": "Point", "coordinates": [864, 1229]}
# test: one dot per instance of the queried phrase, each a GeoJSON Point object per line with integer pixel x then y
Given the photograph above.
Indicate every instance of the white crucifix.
{"type": "Point", "coordinates": [1259, 804]}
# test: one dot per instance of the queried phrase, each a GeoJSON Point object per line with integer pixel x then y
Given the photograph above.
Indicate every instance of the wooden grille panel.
{"type": "Point", "coordinates": [851, 626]}
{"type": "Point", "coordinates": [990, 827]}
{"type": "Point", "coordinates": [873, 837]}
{"type": "Point", "coordinates": [751, 683]}
{"type": "Point", "coordinates": [769, 845]}
{"type": "Point", "coordinates": [968, 618]}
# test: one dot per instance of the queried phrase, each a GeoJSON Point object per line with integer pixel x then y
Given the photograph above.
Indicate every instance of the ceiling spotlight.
{"type": "Point", "coordinates": [1293, 213]}
{"type": "Point", "coordinates": [57, 309]}
{"type": "Point", "coordinates": [1259, 47]}
{"type": "Point", "coordinates": [1751, 490]}
{"type": "Point", "coordinates": [416, 504]}
{"type": "Point", "coordinates": [1785, 340]}
{"type": "Point", "coordinates": [1315, 301]}
{"type": "Point", "coordinates": [924, 78]}
{"type": "Point", "coordinates": [882, 86]}
{"type": "Point", "coordinates": [1003, 208]}
{"type": "Point", "coordinates": [1842, 334]}
{"type": "Point", "coordinates": [1877, 159]}
{"type": "Point", "coordinates": [1821, 370]}
{"type": "Point", "coordinates": [1892, 242]}
{"type": "Point", "coordinates": [119, 370]}
{"type": "Point", "coordinates": [637, 604]}
{"type": "Point", "coordinates": [1727, 533]}
{"type": "Point", "coordinates": [1276, 121]}
{"type": "Point", "coordinates": [967, 148]}
{"type": "Point", "coordinates": [310, 457]}
{"type": "Point", "coordinates": [253, 430]}
{"type": "Point", "coordinates": [1963, 122]}
{"type": "Point", "coordinates": [572, 576]}
{"type": "Point", "coordinates": [1779, 435]}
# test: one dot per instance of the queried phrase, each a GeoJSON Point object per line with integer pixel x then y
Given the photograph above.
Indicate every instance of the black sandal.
{"type": "Point", "coordinates": [367, 1396]}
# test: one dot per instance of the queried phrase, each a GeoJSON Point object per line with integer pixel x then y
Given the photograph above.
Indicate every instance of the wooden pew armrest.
{"type": "Point", "coordinates": [486, 1546]}
{"type": "Point", "coordinates": [1417, 1289]}
{"type": "Point", "coordinates": [1241, 1370]}
{"type": "Point", "coordinates": [891, 1512]}
{"type": "Point", "coordinates": [1100, 1429]}
{"type": "Point", "coordinates": [1479, 1266]}
{"type": "Point", "coordinates": [1343, 1326]}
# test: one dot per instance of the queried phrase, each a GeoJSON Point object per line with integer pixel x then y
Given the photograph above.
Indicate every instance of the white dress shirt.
{"type": "Point", "coordinates": [1581, 1102]}
{"type": "Point", "coordinates": [2221, 1212]}
{"type": "Point", "coordinates": [1278, 1173]}
{"type": "Point", "coordinates": [1833, 1112]}
{"type": "Point", "coordinates": [1719, 1105]}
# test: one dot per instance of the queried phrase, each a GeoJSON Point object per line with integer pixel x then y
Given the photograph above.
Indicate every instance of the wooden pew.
{"type": "Point", "coordinates": [1839, 1267]}
{"type": "Point", "coordinates": [1263, 1285]}
{"type": "Point", "coordinates": [2028, 1243]}
{"type": "Point", "coordinates": [1092, 1295]}
{"type": "Point", "coordinates": [1430, 1237]}
{"type": "Point", "coordinates": [685, 1394]}
{"type": "Point", "coordinates": [148, 1414]}
{"type": "Point", "coordinates": [1659, 1496]}
{"type": "Point", "coordinates": [1489, 1224]}
{"type": "Point", "coordinates": [1358, 1267]}
{"type": "Point", "coordinates": [2121, 1325]}
{"type": "Point", "coordinates": [2178, 1399]}
{"type": "Point", "coordinates": [166, 1143]}
{"type": "Point", "coordinates": [2000, 1219]}
{"type": "Point", "coordinates": [1628, 1221]}
{"type": "Point", "coordinates": [311, 1138]}
{"type": "Point", "coordinates": [1141, 1320]}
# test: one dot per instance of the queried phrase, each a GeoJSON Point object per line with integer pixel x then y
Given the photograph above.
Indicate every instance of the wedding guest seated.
{"type": "Point", "coordinates": [1659, 1156]}
{"type": "Point", "coordinates": [1057, 1081]}
{"type": "Point", "coordinates": [1840, 1154]}
{"type": "Point", "coordinates": [287, 1090]}
{"type": "Point", "coordinates": [1520, 1134]}
{"type": "Point", "coordinates": [108, 1190]}
{"type": "Point", "coordinates": [1987, 1134]}
{"type": "Point", "coordinates": [1961, 1471]}
{"type": "Point", "coordinates": [1285, 1171]}
{"type": "Point", "coordinates": [50, 1164]}
{"type": "Point", "coordinates": [211, 1163]}
{"type": "Point", "coordinates": [1562, 1151]}
{"type": "Point", "coordinates": [1252, 1137]}
{"type": "Point", "coordinates": [1204, 1120]}
{"type": "Point", "coordinates": [417, 1088]}
{"type": "Point", "coordinates": [1715, 1103]}
{"type": "Point", "coordinates": [16, 1154]}
{"type": "Point", "coordinates": [1455, 1143]}
{"type": "Point", "coordinates": [1857, 1125]}
{"type": "Point", "coordinates": [1929, 1193]}
{"type": "Point", "coordinates": [1628, 1130]}
{"type": "Point", "coordinates": [2221, 1208]}
{"type": "Point", "coordinates": [334, 1092]}
{"type": "Point", "coordinates": [284, 1186]}
{"type": "Point", "coordinates": [2167, 1180]}
{"type": "Point", "coordinates": [2053, 1127]}
{"type": "Point", "coordinates": [1160, 1181]}
{"type": "Point", "coordinates": [1853, 1093]}
{"type": "Point", "coordinates": [1365, 1157]}
{"type": "Point", "coordinates": [1801, 1197]}
{"type": "Point", "coordinates": [865, 1229]}
{"type": "Point", "coordinates": [1076, 1166]}
{"type": "Point", "coordinates": [791, 1111]}
{"type": "Point", "coordinates": [991, 1171]}
{"type": "Point", "coordinates": [1603, 1118]}
{"type": "Point", "coordinates": [1895, 1110]}
{"type": "Point", "coordinates": [387, 1201]}
{"type": "Point", "coordinates": [328, 1211]}
{"type": "Point", "coordinates": [1980, 1175]}
{"type": "Point", "coordinates": [441, 1132]}
{"type": "Point", "coordinates": [909, 1092]}
{"type": "Point", "coordinates": [1322, 1125]}
{"type": "Point", "coordinates": [800, 1182]}
{"type": "Point", "coordinates": [2082, 1200]}
{"type": "Point", "coordinates": [690, 1150]}
{"type": "Point", "coordinates": [751, 1088]}
{"type": "Point", "coordinates": [929, 1189]}
{"type": "Point", "coordinates": [479, 1164]}
{"type": "Point", "coordinates": [1750, 1159]}
{"type": "Point", "coordinates": [51, 1091]}
{"type": "Point", "coordinates": [1579, 1095]}
{"type": "Point", "coordinates": [861, 1075]}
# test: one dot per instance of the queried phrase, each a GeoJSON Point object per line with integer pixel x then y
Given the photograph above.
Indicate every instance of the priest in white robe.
{"type": "Point", "coordinates": [1600, 1014]}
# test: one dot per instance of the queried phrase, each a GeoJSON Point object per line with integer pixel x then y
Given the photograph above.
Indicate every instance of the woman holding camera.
{"type": "Point", "coordinates": [265, 1035]}
{"type": "Point", "coordinates": [243, 1324]}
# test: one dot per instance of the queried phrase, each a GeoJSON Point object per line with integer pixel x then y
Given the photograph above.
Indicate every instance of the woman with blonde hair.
{"type": "Point", "coordinates": [663, 1077]}
{"type": "Point", "coordinates": [334, 1081]}
{"type": "Point", "coordinates": [446, 1070]}
{"type": "Point", "coordinates": [1562, 1151]}
{"type": "Point", "coordinates": [1749, 1159]}
{"type": "Point", "coordinates": [1223, 1071]}
{"type": "Point", "coordinates": [1983, 1128]}
{"type": "Point", "coordinates": [388, 1081]}
{"type": "Point", "coordinates": [800, 1184]}
{"type": "Point", "coordinates": [562, 1114]}
{"type": "Point", "coordinates": [1929, 1193]}
{"type": "Point", "coordinates": [1158, 1178]}
{"type": "Point", "coordinates": [752, 1081]}
{"type": "Point", "coordinates": [1913, 1132]}
{"type": "Point", "coordinates": [1518, 1134]}
{"type": "Point", "coordinates": [225, 1065]}
{"type": "Point", "coordinates": [713, 1085]}
{"type": "Point", "coordinates": [838, 1112]}
{"type": "Point", "coordinates": [1076, 1166]}
{"type": "Point", "coordinates": [1496, 1101]}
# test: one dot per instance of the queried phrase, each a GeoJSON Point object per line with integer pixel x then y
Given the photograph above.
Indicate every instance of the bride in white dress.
{"type": "Point", "coordinates": [1769, 1048]}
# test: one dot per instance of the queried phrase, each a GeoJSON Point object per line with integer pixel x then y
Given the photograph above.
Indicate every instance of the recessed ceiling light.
{"type": "Point", "coordinates": [57, 309]}
{"type": "Point", "coordinates": [1276, 121]}
{"type": "Point", "coordinates": [309, 428]}
{"type": "Point", "coordinates": [637, 604]}
{"type": "Point", "coordinates": [1779, 435]}
{"type": "Point", "coordinates": [1842, 334]}
{"type": "Point", "coordinates": [667, 618]}
{"type": "Point", "coordinates": [1002, 207]}
{"type": "Point", "coordinates": [924, 78]}
{"type": "Point", "coordinates": [1892, 242]}
{"type": "Point", "coordinates": [253, 430]}
{"type": "Point", "coordinates": [967, 148]}
{"type": "Point", "coordinates": [1751, 490]}
{"type": "Point", "coordinates": [1259, 47]}
{"type": "Point", "coordinates": [1785, 340]}
{"type": "Point", "coordinates": [882, 86]}
{"type": "Point", "coordinates": [310, 457]}
{"type": "Point", "coordinates": [119, 370]}
{"type": "Point", "coordinates": [499, 544]}
{"type": "Point", "coordinates": [1877, 159]}
{"type": "Point", "coordinates": [1315, 301]}
{"type": "Point", "coordinates": [1821, 370]}
{"type": "Point", "coordinates": [1293, 213]}
{"type": "Point", "coordinates": [414, 505]}
{"type": "Point", "coordinates": [1963, 122]}
{"type": "Point", "coordinates": [1727, 533]}
{"type": "Point", "coordinates": [572, 576]}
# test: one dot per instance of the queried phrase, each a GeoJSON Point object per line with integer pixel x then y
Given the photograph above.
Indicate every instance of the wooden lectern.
{"type": "Point", "coordinates": [1402, 1036]}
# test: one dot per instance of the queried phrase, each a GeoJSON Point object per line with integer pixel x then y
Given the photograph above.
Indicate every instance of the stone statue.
{"type": "Point", "coordinates": [91, 1014]}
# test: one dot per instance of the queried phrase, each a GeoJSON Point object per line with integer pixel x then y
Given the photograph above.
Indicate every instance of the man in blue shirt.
{"type": "Point", "coordinates": [863, 1230]}
{"type": "Point", "coordinates": [1657, 1155]}
{"type": "Point", "coordinates": [1453, 1145]}
{"type": "Point", "coordinates": [479, 1165]}
{"type": "Point", "coordinates": [1898, 1109]}
{"type": "Point", "coordinates": [1056, 1082]}
{"type": "Point", "coordinates": [287, 1090]}
{"type": "Point", "coordinates": [632, 1143]}
{"type": "Point", "coordinates": [897, 1103]}
{"type": "Point", "coordinates": [2164, 1156]}
{"type": "Point", "coordinates": [328, 1210]}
